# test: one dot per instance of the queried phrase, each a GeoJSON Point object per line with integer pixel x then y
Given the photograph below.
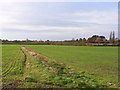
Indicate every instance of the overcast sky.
{"type": "Point", "coordinates": [57, 21]}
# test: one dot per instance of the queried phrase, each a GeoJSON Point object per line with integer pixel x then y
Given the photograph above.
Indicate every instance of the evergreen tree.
{"type": "Point", "coordinates": [110, 37]}
{"type": "Point", "coordinates": [113, 38]}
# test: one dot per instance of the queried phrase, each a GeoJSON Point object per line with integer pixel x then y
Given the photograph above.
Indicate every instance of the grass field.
{"type": "Point", "coordinates": [98, 61]}
{"type": "Point", "coordinates": [18, 65]}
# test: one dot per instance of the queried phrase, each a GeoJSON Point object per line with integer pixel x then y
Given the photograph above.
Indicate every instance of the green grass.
{"type": "Point", "coordinates": [12, 63]}
{"type": "Point", "coordinates": [38, 74]}
{"type": "Point", "coordinates": [101, 62]}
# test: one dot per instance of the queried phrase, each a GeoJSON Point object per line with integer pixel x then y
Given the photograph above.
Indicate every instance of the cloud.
{"type": "Point", "coordinates": [28, 20]}
{"type": "Point", "coordinates": [96, 17]}
{"type": "Point", "coordinates": [56, 33]}
{"type": "Point", "coordinates": [39, 28]}
{"type": "Point", "coordinates": [10, 12]}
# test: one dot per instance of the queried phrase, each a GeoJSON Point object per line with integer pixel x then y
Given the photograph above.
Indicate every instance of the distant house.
{"type": "Point", "coordinates": [96, 38]}
{"type": "Point", "coordinates": [103, 38]}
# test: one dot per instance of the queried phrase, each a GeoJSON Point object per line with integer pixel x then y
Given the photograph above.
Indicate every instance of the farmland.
{"type": "Point", "coordinates": [99, 61]}
{"type": "Point", "coordinates": [12, 63]}
{"type": "Point", "coordinates": [58, 66]}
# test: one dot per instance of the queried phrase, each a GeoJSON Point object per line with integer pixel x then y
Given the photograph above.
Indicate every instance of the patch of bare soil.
{"type": "Point", "coordinates": [32, 53]}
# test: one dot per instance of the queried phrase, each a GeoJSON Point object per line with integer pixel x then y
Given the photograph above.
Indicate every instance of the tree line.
{"type": "Point", "coordinates": [95, 40]}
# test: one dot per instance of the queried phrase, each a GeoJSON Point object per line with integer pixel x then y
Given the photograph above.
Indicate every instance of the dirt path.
{"type": "Point", "coordinates": [32, 53]}
{"type": "Point", "coordinates": [37, 55]}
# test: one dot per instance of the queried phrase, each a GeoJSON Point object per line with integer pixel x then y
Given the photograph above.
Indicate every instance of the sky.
{"type": "Point", "coordinates": [57, 20]}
